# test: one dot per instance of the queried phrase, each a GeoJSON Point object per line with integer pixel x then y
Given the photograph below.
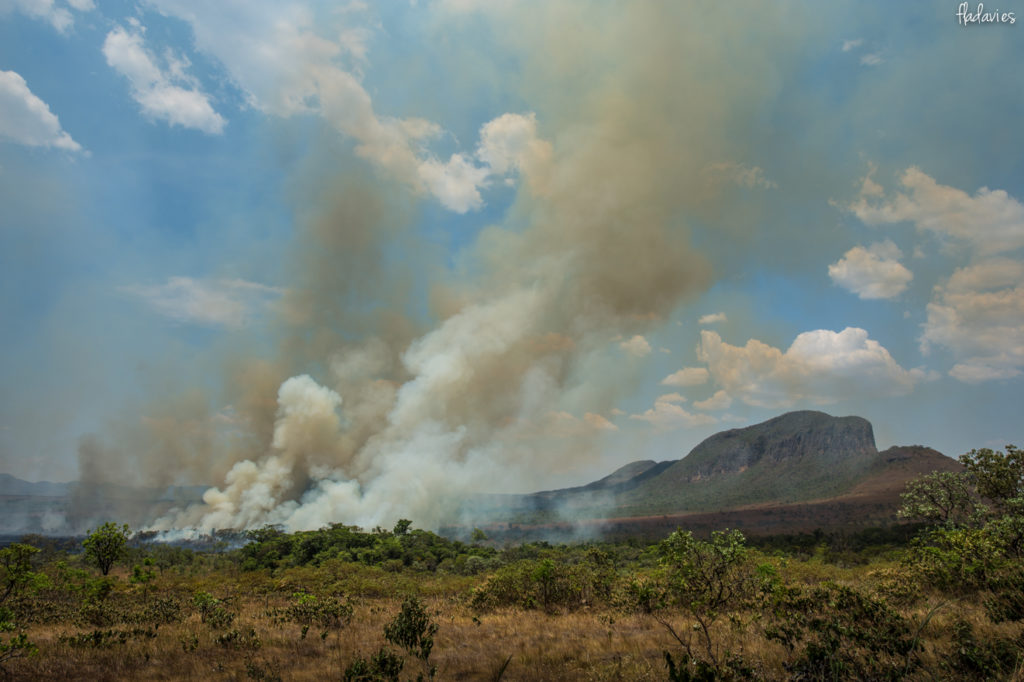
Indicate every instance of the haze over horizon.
{"type": "Point", "coordinates": [352, 261]}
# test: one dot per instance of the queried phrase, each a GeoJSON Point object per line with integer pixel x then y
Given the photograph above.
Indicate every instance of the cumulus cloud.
{"type": "Point", "coordinates": [159, 91]}
{"type": "Point", "coordinates": [979, 315]}
{"type": "Point", "coordinates": [636, 346]}
{"type": "Point", "coordinates": [667, 415]}
{"type": "Point", "coordinates": [872, 272]}
{"type": "Point", "coordinates": [26, 119]}
{"type": "Point", "coordinates": [991, 221]}
{"type": "Point", "coordinates": [872, 59]}
{"type": "Point", "coordinates": [687, 376]}
{"type": "Point", "coordinates": [852, 44]}
{"type": "Point", "coordinates": [712, 318]}
{"type": "Point", "coordinates": [221, 302]}
{"type": "Point", "coordinates": [820, 366]}
{"type": "Point", "coordinates": [47, 10]}
{"type": "Point", "coordinates": [719, 401]}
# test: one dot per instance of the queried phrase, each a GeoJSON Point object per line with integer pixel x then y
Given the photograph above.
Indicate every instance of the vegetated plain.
{"type": "Point", "coordinates": [941, 597]}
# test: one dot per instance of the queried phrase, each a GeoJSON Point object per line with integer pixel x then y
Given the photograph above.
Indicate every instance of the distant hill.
{"type": "Point", "coordinates": [778, 471]}
{"type": "Point", "coordinates": [9, 485]}
{"type": "Point", "coordinates": [68, 508]}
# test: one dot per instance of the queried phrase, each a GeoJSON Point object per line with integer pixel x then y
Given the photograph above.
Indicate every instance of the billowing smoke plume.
{"type": "Point", "coordinates": [366, 415]}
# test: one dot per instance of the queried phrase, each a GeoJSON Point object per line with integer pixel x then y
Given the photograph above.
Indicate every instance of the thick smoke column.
{"type": "Point", "coordinates": [405, 423]}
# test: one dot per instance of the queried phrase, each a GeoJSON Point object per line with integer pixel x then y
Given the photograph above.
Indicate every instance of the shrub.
{"type": "Point", "coordinates": [982, 658]}
{"type": "Point", "coordinates": [412, 630]}
{"type": "Point", "coordinates": [212, 611]}
{"type": "Point", "coordinates": [308, 609]}
{"type": "Point", "coordinates": [836, 632]}
{"type": "Point", "coordinates": [705, 579]}
{"type": "Point", "coordinates": [385, 666]}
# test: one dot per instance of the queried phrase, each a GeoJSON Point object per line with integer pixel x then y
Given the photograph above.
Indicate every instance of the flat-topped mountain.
{"type": "Point", "coordinates": [794, 462]}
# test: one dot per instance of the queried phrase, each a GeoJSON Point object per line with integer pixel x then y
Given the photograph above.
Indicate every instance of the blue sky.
{"type": "Point", "coordinates": [545, 237]}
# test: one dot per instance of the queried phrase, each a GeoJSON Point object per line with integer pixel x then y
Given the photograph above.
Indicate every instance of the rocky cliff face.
{"type": "Point", "coordinates": [792, 437]}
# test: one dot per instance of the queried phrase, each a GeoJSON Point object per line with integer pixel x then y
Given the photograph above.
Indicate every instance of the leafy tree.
{"type": "Point", "coordinates": [940, 497]}
{"type": "Point", "coordinates": [980, 514]}
{"type": "Point", "coordinates": [402, 527]}
{"type": "Point", "coordinates": [998, 477]}
{"type": "Point", "coordinates": [107, 544]}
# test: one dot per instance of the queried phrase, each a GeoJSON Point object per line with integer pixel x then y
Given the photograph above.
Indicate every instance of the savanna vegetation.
{"type": "Point", "coordinates": [939, 598]}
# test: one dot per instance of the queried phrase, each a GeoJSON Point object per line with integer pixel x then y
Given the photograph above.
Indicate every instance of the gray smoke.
{"type": "Point", "coordinates": [365, 415]}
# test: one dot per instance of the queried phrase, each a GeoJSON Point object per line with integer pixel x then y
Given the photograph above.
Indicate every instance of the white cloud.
{"type": "Point", "coordinates": [157, 90]}
{"type": "Point", "coordinates": [671, 398]}
{"type": "Point", "coordinates": [456, 183]}
{"type": "Point", "coordinates": [47, 10]}
{"type": "Point", "coordinates": [280, 55]}
{"type": "Point", "coordinates": [820, 366]}
{"type": "Point", "coordinates": [991, 221]}
{"type": "Point", "coordinates": [979, 315]}
{"type": "Point", "coordinates": [852, 44]}
{"type": "Point", "coordinates": [510, 143]}
{"type": "Point", "coordinates": [740, 174]}
{"type": "Point", "coordinates": [26, 119]}
{"type": "Point", "coordinates": [666, 415]}
{"type": "Point", "coordinates": [712, 318]}
{"type": "Point", "coordinates": [221, 302]}
{"type": "Point", "coordinates": [719, 401]}
{"type": "Point", "coordinates": [873, 272]}
{"type": "Point", "coordinates": [872, 59]}
{"type": "Point", "coordinates": [687, 376]}
{"type": "Point", "coordinates": [637, 346]}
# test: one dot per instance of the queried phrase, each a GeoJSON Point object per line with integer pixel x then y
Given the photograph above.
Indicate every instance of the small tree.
{"type": "Point", "coordinates": [706, 579]}
{"type": "Point", "coordinates": [15, 575]}
{"type": "Point", "coordinates": [107, 544]}
{"type": "Point", "coordinates": [998, 476]}
{"type": "Point", "coordinates": [15, 568]}
{"type": "Point", "coordinates": [939, 497]}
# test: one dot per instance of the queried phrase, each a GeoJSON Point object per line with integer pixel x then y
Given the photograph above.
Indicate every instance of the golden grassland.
{"type": "Point", "coordinates": [601, 641]}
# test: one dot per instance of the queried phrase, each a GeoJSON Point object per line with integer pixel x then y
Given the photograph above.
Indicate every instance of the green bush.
{"type": "Point", "coordinates": [212, 611]}
{"type": "Point", "coordinates": [326, 613]}
{"type": "Point", "coordinates": [836, 632]}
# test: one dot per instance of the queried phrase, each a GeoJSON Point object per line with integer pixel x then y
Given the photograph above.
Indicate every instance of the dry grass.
{"type": "Point", "coordinates": [586, 645]}
{"type": "Point", "coordinates": [595, 643]}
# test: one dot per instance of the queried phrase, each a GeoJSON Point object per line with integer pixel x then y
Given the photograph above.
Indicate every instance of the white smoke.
{"type": "Point", "coordinates": [594, 249]}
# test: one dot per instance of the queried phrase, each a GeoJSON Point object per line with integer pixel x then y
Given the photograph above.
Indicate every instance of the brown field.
{"type": "Point", "coordinates": [588, 643]}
